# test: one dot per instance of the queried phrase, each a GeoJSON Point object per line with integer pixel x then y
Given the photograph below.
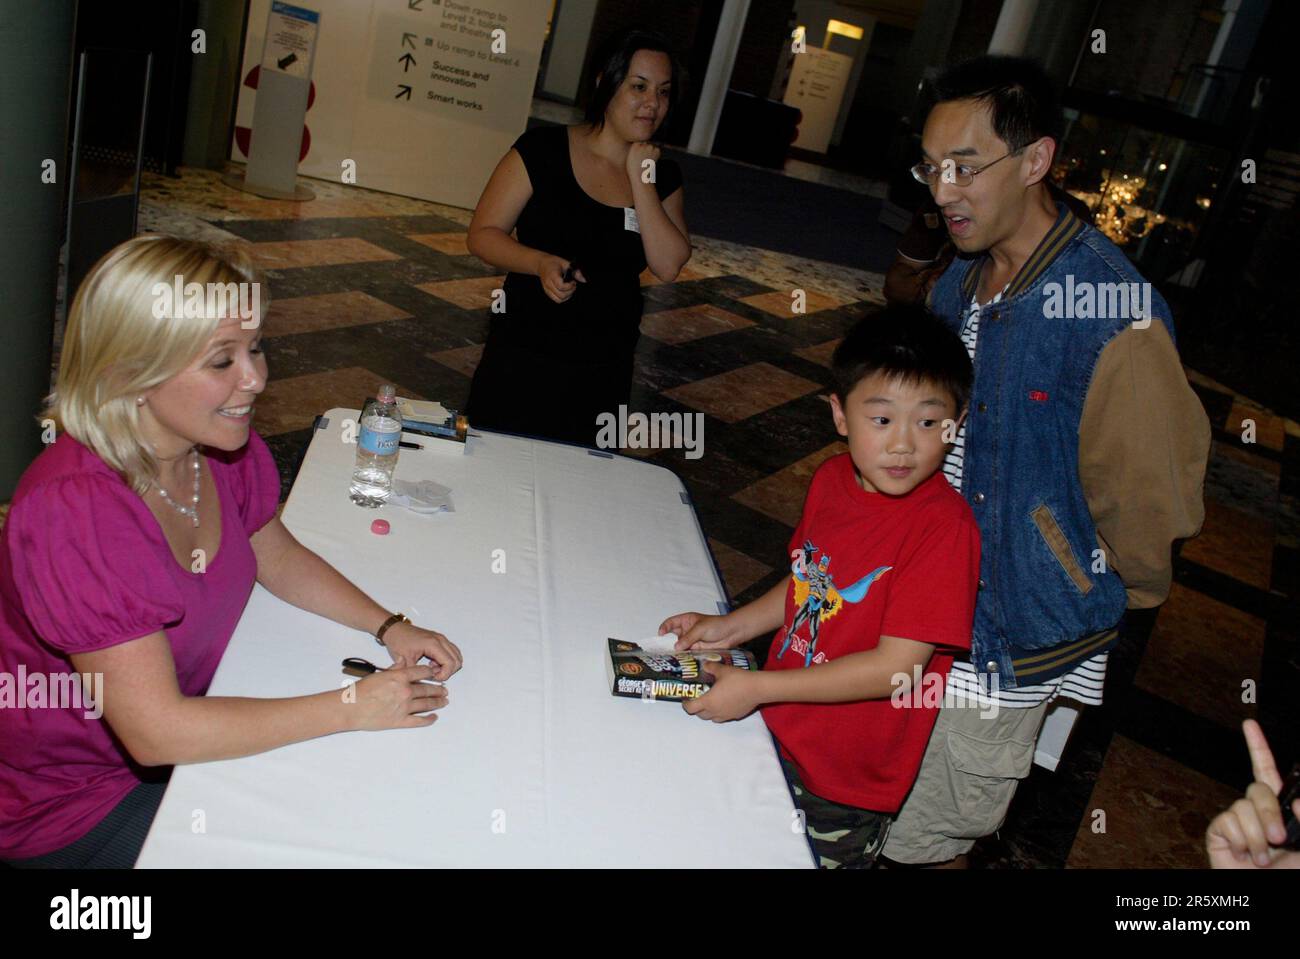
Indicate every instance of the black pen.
{"type": "Point", "coordinates": [409, 446]}
{"type": "Point", "coordinates": [356, 666]}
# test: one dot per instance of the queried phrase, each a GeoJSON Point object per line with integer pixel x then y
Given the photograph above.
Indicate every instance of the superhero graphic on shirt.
{"type": "Point", "coordinates": [816, 596]}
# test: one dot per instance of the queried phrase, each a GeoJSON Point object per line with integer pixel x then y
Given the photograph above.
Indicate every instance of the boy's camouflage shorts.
{"type": "Point", "coordinates": [843, 837]}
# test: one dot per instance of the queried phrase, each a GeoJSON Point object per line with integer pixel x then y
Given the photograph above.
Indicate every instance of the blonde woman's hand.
{"type": "Point", "coordinates": [394, 698]}
{"type": "Point", "coordinates": [409, 642]}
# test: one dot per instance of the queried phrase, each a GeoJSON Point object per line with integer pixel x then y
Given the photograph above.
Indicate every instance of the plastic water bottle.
{"type": "Point", "coordinates": [377, 449]}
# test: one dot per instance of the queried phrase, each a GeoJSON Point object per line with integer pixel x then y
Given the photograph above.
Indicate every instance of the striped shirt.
{"type": "Point", "coordinates": [1083, 683]}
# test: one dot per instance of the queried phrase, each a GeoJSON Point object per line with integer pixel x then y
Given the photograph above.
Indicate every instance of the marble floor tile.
{"type": "Point", "coordinates": [288, 254]}
{"type": "Point", "coordinates": [781, 271]}
{"type": "Point", "coordinates": [1246, 454]}
{"type": "Point", "coordinates": [202, 193]}
{"type": "Point", "coordinates": [739, 571]}
{"type": "Point", "coordinates": [740, 393]}
{"type": "Point", "coordinates": [1234, 543]}
{"type": "Point", "coordinates": [1270, 429]}
{"type": "Point", "coordinates": [819, 354]}
{"type": "Point", "coordinates": [1156, 813]}
{"type": "Point", "coordinates": [474, 293]}
{"type": "Point", "coordinates": [781, 495]}
{"type": "Point", "coordinates": [327, 311]}
{"type": "Point", "coordinates": [690, 323]}
{"type": "Point", "coordinates": [1200, 379]}
{"type": "Point", "coordinates": [1200, 654]}
{"type": "Point", "coordinates": [452, 244]}
{"type": "Point", "coordinates": [293, 403]}
{"type": "Point", "coordinates": [463, 359]}
{"type": "Point", "coordinates": [781, 303]}
{"type": "Point", "coordinates": [1243, 480]}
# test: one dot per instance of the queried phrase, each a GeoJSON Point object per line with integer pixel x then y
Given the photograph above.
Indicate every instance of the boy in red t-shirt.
{"type": "Point", "coordinates": [885, 563]}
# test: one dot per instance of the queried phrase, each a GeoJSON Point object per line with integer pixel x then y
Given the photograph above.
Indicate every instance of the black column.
{"type": "Point", "coordinates": [35, 55]}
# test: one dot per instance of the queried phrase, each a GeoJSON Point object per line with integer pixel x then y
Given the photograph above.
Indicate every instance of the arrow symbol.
{"type": "Point", "coordinates": [406, 60]}
{"type": "Point", "coordinates": [415, 4]}
{"type": "Point", "coordinates": [402, 88]}
{"type": "Point", "coordinates": [284, 64]}
{"type": "Point", "coordinates": [408, 38]}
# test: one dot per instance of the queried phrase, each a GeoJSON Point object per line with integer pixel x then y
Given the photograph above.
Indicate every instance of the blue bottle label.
{"type": "Point", "coordinates": [377, 443]}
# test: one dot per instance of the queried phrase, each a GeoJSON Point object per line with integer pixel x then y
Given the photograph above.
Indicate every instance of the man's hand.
{"type": "Point", "coordinates": [733, 694]}
{"type": "Point", "coordinates": [408, 642]}
{"type": "Point", "coordinates": [1252, 826]}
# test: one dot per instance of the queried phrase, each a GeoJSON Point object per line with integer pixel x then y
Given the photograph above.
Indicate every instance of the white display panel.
{"type": "Point", "coordinates": [816, 87]}
{"type": "Point", "coordinates": [424, 97]}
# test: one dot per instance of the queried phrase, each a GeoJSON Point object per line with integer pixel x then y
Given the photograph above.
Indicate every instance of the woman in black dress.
{"type": "Point", "coordinates": [593, 205]}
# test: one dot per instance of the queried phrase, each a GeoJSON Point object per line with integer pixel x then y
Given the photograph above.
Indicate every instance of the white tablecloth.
{"type": "Point", "coordinates": [533, 762]}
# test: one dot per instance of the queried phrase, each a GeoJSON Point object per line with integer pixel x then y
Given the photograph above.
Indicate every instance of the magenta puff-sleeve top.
{"type": "Point", "coordinates": [84, 565]}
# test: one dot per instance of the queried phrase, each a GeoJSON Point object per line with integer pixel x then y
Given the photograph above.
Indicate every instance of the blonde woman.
{"type": "Point", "coordinates": [157, 459]}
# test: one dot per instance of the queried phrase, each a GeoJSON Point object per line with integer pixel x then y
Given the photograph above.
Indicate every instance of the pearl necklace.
{"type": "Point", "coordinates": [191, 511]}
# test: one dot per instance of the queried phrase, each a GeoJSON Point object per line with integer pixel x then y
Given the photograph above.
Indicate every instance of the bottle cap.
{"type": "Point", "coordinates": [380, 527]}
{"type": "Point", "coordinates": [387, 393]}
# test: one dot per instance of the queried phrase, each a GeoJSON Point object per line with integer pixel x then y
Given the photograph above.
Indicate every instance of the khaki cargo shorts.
{"type": "Point", "coordinates": [970, 771]}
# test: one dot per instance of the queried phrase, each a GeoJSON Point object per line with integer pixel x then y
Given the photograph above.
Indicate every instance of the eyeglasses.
{"type": "Point", "coordinates": [961, 175]}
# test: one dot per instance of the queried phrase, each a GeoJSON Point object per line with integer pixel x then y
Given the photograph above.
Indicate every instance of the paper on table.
{"type": "Point", "coordinates": [425, 496]}
{"type": "Point", "coordinates": [659, 644]}
{"type": "Point", "coordinates": [422, 411]}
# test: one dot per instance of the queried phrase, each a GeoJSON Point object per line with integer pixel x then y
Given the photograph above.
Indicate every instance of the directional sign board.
{"type": "Point", "coordinates": [290, 39]}
{"type": "Point", "coordinates": [424, 97]}
{"type": "Point", "coordinates": [816, 87]}
{"type": "Point", "coordinates": [288, 50]}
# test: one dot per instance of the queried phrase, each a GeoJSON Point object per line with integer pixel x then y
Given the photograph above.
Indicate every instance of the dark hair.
{"type": "Point", "coordinates": [905, 341]}
{"type": "Point", "coordinates": [1019, 94]}
{"type": "Point", "coordinates": [610, 65]}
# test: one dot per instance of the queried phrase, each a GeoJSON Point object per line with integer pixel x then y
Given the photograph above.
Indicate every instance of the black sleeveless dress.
{"type": "Point", "coordinates": [548, 369]}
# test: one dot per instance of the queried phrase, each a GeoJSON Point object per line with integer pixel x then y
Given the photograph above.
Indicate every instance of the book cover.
{"type": "Point", "coordinates": [672, 676]}
{"type": "Point", "coordinates": [432, 420]}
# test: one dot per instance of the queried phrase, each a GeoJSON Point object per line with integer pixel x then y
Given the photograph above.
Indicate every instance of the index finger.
{"type": "Point", "coordinates": [1261, 757]}
{"type": "Point", "coordinates": [413, 674]}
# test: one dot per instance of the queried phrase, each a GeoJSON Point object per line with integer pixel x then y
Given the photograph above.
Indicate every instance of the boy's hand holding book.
{"type": "Point", "coordinates": [701, 631]}
{"type": "Point", "coordinates": [733, 695]}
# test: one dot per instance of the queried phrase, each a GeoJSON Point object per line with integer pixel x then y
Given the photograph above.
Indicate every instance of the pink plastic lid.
{"type": "Point", "coordinates": [380, 526]}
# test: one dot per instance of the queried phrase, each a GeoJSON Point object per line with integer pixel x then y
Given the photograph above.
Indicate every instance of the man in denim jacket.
{"type": "Point", "coordinates": [1083, 455]}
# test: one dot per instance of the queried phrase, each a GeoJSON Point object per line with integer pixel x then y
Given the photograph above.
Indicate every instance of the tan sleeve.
{"type": "Point", "coordinates": [1144, 442]}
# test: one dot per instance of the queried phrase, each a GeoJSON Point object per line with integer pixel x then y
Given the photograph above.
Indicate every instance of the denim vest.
{"type": "Point", "coordinates": [1046, 600]}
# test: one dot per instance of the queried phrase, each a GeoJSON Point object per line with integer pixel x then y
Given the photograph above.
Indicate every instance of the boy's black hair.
{"type": "Point", "coordinates": [1018, 92]}
{"type": "Point", "coordinates": [903, 341]}
{"type": "Point", "coordinates": [610, 65]}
